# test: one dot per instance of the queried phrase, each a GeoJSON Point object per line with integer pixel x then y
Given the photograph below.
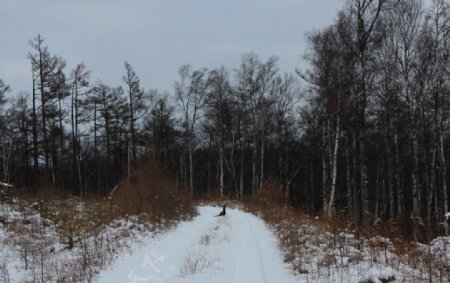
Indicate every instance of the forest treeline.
{"type": "Point", "coordinates": [363, 131]}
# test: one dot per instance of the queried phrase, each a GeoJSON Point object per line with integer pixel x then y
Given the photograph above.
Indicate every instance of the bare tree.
{"type": "Point", "coordinates": [253, 83]}
{"type": "Point", "coordinates": [80, 82]}
{"type": "Point", "coordinates": [137, 102]}
{"type": "Point", "coordinates": [433, 51]}
{"type": "Point", "coordinates": [45, 69]}
{"type": "Point", "coordinates": [190, 94]}
{"type": "Point", "coordinates": [285, 91]}
{"type": "Point", "coordinates": [5, 138]}
{"type": "Point", "coordinates": [218, 113]}
{"type": "Point", "coordinates": [408, 18]}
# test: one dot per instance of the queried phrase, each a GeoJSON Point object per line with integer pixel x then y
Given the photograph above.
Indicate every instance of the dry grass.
{"type": "Point", "coordinates": [205, 240]}
{"type": "Point", "coordinates": [323, 249]}
{"type": "Point", "coordinates": [151, 192]}
{"type": "Point", "coordinates": [197, 262]}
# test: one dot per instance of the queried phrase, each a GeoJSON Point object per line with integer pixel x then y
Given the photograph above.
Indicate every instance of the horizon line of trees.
{"type": "Point", "coordinates": [367, 134]}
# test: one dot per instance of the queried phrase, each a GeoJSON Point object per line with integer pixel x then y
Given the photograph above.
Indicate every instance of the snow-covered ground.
{"type": "Point", "coordinates": [36, 249]}
{"type": "Point", "coordinates": [235, 248]}
{"type": "Point", "coordinates": [239, 247]}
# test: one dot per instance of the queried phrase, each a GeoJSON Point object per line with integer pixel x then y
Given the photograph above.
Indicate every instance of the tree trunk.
{"type": "Point", "coordinates": [261, 177]}
{"type": "Point", "coordinates": [61, 136]}
{"type": "Point", "coordinates": [241, 167]}
{"type": "Point", "coordinates": [348, 180]}
{"type": "Point", "coordinates": [108, 147]}
{"type": "Point", "coordinates": [191, 170]}
{"type": "Point", "coordinates": [400, 193]}
{"type": "Point", "coordinates": [377, 193]}
{"type": "Point", "coordinates": [363, 181]}
{"type": "Point", "coordinates": [311, 166]}
{"type": "Point", "coordinates": [35, 140]}
{"type": "Point", "coordinates": [44, 117]}
{"type": "Point", "coordinates": [390, 188]}
{"type": "Point", "coordinates": [26, 151]}
{"type": "Point", "coordinates": [221, 185]}
{"type": "Point", "coordinates": [444, 174]}
{"type": "Point", "coordinates": [75, 140]}
{"type": "Point", "coordinates": [331, 204]}
{"type": "Point", "coordinates": [133, 134]}
{"type": "Point", "coordinates": [324, 172]}
{"type": "Point", "coordinates": [254, 156]}
{"type": "Point", "coordinates": [432, 183]}
{"type": "Point", "coordinates": [95, 150]}
{"type": "Point", "coordinates": [241, 174]}
{"type": "Point", "coordinates": [230, 166]}
{"type": "Point", "coordinates": [415, 174]}
{"type": "Point", "coordinates": [356, 193]}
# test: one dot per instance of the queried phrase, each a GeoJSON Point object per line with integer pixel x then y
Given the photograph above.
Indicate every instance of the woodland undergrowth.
{"type": "Point", "coordinates": [322, 249]}
{"type": "Point", "coordinates": [62, 238]}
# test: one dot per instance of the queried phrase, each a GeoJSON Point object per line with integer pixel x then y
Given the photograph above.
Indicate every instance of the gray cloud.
{"type": "Point", "coordinates": [156, 37]}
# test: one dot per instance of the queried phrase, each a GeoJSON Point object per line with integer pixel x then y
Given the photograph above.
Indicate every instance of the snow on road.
{"type": "Point", "coordinates": [235, 248]}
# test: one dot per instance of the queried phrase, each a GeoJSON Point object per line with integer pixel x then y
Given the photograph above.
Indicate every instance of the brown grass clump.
{"type": "Point", "coordinates": [205, 240]}
{"type": "Point", "coordinates": [148, 191]}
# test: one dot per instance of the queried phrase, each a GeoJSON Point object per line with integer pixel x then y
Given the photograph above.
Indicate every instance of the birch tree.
{"type": "Point", "coordinates": [218, 113]}
{"type": "Point", "coordinates": [285, 91]}
{"type": "Point", "coordinates": [434, 49]}
{"type": "Point", "coordinates": [190, 95]}
{"type": "Point", "coordinates": [253, 79]}
{"type": "Point", "coordinates": [408, 18]}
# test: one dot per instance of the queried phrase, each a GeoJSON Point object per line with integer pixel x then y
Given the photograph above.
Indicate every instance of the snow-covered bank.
{"type": "Point", "coordinates": [322, 250]}
{"type": "Point", "coordinates": [235, 248]}
{"type": "Point", "coordinates": [38, 249]}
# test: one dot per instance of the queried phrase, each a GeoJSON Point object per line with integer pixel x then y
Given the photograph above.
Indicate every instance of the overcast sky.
{"type": "Point", "coordinates": [156, 36]}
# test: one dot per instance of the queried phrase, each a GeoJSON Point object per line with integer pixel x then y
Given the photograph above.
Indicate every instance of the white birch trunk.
{"type": "Point", "coordinates": [221, 170]}
{"type": "Point", "coordinates": [331, 204]}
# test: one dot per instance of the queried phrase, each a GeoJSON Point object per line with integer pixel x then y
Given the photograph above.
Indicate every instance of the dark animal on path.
{"type": "Point", "coordinates": [223, 211]}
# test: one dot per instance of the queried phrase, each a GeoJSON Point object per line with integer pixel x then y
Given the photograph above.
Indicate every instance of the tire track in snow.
{"type": "Point", "coordinates": [258, 248]}
{"type": "Point", "coordinates": [236, 263]}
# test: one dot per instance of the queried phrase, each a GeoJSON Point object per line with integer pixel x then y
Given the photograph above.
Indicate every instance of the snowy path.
{"type": "Point", "coordinates": [235, 248]}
